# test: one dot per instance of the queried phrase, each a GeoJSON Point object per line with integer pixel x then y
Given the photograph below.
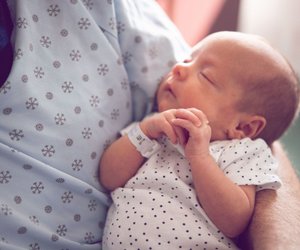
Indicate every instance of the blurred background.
{"type": "Point", "coordinates": [276, 20]}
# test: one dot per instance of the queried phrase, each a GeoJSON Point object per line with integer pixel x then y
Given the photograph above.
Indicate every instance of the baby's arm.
{"type": "Point", "coordinates": [119, 163]}
{"type": "Point", "coordinates": [121, 160]}
{"type": "Point", "coordinates": [228, 205]}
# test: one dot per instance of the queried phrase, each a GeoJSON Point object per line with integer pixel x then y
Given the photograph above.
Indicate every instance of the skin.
{"type": "Point", "coordinates": [276, 219]}
{"type": "Point", "coordinates": [197, 104]}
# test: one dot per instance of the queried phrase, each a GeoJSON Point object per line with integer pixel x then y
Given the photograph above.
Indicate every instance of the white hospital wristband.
{"type": "Point", "coordinates": [143, 143]}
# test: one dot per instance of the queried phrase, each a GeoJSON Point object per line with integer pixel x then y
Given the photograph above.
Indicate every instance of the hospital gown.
{"type": "Point", "coordinates": [82, 70]}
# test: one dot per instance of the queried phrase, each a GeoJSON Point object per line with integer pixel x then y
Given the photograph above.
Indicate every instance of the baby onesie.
{"type": "Point", "coordinates": [158, 207]}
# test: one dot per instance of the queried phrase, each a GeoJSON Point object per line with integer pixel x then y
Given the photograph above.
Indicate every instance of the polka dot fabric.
{"type": "Point", "coordinates": [70, 90]}
{"type": "Point", "coordinates": [247, 162]}
{"type": "Point", "coordinates": [158, 208]}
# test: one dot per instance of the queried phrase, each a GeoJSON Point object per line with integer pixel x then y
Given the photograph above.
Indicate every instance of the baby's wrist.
{"type": "Point", "coordinates": [199, 158]}
{"type": "Point", "coordinates": [143, 144]}
{"type": "Point", "coordinates": [144, 128]}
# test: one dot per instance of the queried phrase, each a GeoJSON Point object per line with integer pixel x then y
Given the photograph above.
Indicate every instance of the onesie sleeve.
{"type": "Point", "coordinates": [250, 162]}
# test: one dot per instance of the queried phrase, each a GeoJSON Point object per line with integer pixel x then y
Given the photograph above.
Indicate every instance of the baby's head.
{"type": "Point", "coordinates": [270, 87]}
{"type": "Point", "coordinates": [244, 86]}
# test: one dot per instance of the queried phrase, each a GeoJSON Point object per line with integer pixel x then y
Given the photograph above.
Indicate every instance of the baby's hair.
{"type": "Point", "coordinates": [275, 97]}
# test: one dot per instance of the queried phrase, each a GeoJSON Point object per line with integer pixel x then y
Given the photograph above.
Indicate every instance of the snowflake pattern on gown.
{"type": "Point", "coordinates": [79, 74]}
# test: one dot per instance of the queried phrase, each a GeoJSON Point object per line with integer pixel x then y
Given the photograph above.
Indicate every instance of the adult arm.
{"type": "Point", "coordinates": [276, 219]}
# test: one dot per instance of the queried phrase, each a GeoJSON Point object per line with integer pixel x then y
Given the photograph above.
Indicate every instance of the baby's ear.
{"type": "Point", "coordinates": [250, 126]}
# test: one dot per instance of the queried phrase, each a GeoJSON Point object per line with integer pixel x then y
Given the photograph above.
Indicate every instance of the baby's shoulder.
{"type": "Point", "coordinates": [238, 148]}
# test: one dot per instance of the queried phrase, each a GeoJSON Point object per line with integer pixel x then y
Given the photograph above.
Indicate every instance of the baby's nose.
{"type": "Point", "coordinates": [180, 71]}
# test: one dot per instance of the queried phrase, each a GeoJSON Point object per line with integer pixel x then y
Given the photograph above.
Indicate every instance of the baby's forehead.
{"type": "Point", "coordinates": [247, 48]}
{"type": "Point", "coordinates": [229, 39]}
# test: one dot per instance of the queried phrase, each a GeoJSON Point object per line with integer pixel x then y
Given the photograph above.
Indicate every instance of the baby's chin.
{"type": "Point", "coordinates": [166, 103]}
{"type": "Point", "coordinates": [164, 106]}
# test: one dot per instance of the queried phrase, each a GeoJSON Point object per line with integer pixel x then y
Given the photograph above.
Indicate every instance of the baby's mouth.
{"type": "Point", "coordinates": [169, 89]}
{"type": "Point", "coordinates": [169, 84]}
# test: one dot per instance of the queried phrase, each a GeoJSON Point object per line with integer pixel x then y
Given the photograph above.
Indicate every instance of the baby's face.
{"type": "Point", "coordinates": [211, 80]}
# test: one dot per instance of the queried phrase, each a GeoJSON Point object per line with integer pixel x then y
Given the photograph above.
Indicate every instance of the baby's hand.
{"type": "Point", "coordinates": [199, 132]}
{"type": "Point", "coordinates": [161, 124]}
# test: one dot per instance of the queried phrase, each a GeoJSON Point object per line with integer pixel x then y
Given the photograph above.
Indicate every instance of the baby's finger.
{"type": "Point", "coordinates": [170, 133]}
{"type": "Point", "coordinates": [183, 123]}
{"type": "Point", "coordinates": [187, 114]}
{"type": "Point", "coordinates": [167, 126]}
{"type": "Point", "coordinates": [181, 135]}
{"type": "Point", "coordinates": [200, 114]}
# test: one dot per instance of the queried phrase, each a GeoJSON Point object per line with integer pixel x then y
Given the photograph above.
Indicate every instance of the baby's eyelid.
{"type": "Point", "coordinates": [206, 77]}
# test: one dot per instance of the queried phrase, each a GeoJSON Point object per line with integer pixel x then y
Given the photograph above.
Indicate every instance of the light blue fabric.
{"type": "Point", "coordinates": [149, 51]}
{"type": "Point", "coordinates": [82, 71]}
